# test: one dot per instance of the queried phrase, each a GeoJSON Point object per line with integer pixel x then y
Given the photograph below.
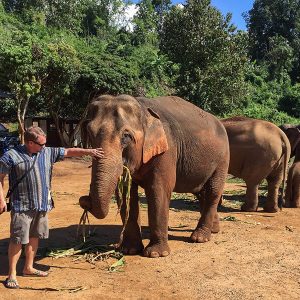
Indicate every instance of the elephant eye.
{"type": "Point", "coordinates": [126, 138]}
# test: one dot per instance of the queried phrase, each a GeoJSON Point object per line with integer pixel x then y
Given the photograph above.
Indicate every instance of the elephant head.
{"type": "Point", "coordinates": [293, 134]}
{"type": "Point", "coordinates": [129, 134]}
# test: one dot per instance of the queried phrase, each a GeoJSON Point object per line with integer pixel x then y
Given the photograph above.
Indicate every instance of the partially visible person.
{"type": "Point", "coordinates": [31, 198]}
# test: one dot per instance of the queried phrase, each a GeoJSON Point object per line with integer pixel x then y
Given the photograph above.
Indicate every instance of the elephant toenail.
{"type": "Point", "coordinates": [154, 254]}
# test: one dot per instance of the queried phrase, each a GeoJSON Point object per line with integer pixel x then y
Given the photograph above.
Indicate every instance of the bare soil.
{"type": "Point", "coordinates": [254, 256]}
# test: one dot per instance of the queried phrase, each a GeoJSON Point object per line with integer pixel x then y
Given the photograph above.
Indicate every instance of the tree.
{"type": "Point", "coordinates": [211, 56]}
{"type": "Point", "coordinates": [145, 24]}
{"type": "Point", "coordinates": [274, 29]}
{"type": "Point", "coordinates": [22, 61]}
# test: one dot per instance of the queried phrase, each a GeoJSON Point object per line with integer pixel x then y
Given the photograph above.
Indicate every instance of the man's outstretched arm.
{"type": "Point", "coordinates": [71, 152]}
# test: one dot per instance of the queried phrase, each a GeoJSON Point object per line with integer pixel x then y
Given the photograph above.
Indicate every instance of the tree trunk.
{"type": "Point", "coordinates": [22, 105]}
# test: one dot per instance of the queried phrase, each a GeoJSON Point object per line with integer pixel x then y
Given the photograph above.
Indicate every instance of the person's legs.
{"type": "Point", "coordinates": [19, 234]}
{"type": "Point", "coordinates": [14, 252]}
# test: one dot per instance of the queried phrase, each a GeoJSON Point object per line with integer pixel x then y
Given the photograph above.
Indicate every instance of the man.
{"type": "Point", "coordinates": [31, 198]}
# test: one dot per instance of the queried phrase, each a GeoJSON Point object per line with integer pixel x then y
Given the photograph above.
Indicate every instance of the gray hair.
{"type": "Point", "coordinates": [32, 133]}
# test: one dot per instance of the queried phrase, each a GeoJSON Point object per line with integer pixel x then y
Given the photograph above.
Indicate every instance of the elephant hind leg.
{"type": "Point", "coordinates": [274, 180]}
{"type": "Point", "coordinates": [209, 200]}
{"type": "Point", "coordinates": [251, 202]}
{"type": "Point", "coordinates": [201, 197]}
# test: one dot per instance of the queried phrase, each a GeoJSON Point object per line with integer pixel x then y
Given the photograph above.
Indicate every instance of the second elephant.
{"type": "Point", "coordinates": [258, 150]}
{"type": "Point", "coordinates": [293, 134]}
{"type": "Point", "coordinates": [292, 196]}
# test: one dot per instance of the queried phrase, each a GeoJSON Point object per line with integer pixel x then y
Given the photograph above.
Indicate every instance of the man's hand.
{"type": "Point", "coordinates": [2, 206]}
{"type": "Point", "coordinates": [97, 152]}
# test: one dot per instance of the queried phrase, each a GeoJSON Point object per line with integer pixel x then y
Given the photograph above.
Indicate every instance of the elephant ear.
{"type": "Point", "coordinates": [155, 140]}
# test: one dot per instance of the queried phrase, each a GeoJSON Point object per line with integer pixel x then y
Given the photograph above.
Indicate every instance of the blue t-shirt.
{"type": "Point", "coordinates": [34, 191]}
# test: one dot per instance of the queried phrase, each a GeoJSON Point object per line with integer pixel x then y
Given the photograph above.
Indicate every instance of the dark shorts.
{"type": "Point", "coordinates": [28, 224]}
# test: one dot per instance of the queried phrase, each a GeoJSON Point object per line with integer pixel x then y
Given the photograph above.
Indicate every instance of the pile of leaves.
{"type": "Point", "coordinates": [91, 252]}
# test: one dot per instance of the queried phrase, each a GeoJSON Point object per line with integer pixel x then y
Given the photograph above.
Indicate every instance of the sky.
{"type": "Point", "coordinates": [236, 7]}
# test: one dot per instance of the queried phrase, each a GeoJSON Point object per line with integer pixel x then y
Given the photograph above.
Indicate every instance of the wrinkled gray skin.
{"type": "Point", "coordinates": [292, 194]}
{"type": "Point", "coordinates": [293, 134]}
{"type": "Point", "coordinates": [258, 150]}
{"type": "Point", "coordinates": [169, 145]}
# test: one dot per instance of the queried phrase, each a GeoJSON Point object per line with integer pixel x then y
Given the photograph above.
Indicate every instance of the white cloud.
{"type": "Point", "coordinates": [124, 18]}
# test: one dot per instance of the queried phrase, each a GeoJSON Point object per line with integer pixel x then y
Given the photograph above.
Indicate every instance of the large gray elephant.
{"type": "Point", "coordinates": [258, 150]}
{"type": "Point", "coordinates": [168, 144]}
{"type": "Point", "coordinates": [293, 134]}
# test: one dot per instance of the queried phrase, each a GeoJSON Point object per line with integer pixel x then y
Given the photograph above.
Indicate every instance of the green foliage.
{"type": "Point", "coordinates": [211, 57]}
{"type": "Point", "coordinates": [274, 32]}
{"type": "Point", "coordinates": [146, 21]}
{"type": "Point", "coordinates": [290, 101]}
{"type": "Point", "coordinates": [22, 61]}
{"type": "Point", "coordinates": [265, 98]}
{"type": "Point", "coordinates": [59, 54]}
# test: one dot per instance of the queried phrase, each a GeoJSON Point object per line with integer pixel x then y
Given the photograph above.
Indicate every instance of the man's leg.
{"type": "Point", "coordinates": [14, 252]}
{"type": "Point", "coordinates": [39, 228]}
{"type": "Point", "coordinates": [30, 252]}
{"type": "Point", "coordinates": [19, 232]}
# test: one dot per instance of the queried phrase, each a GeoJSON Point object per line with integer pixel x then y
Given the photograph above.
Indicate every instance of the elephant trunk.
{"type": "Point", "coordinates": [105, 174]}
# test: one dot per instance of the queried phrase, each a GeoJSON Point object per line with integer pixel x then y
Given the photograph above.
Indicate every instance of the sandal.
{"type": "Point", "coordinates": [11, 283]}
{"type": "Point", "coordinates": [36, 273]}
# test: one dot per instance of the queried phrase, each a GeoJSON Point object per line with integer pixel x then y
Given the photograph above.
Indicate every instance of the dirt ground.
{"type": "Point", "coordinates": [254, 256]}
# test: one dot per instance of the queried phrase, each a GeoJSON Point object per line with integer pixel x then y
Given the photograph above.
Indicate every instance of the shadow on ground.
{"type": "Point", "coordinates": [65, 238]}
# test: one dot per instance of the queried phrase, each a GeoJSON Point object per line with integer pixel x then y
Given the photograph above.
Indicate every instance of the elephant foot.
{"type": "Point", "coordinates": [201, 235]}
{"type": "Point", "coordinates": [132, 241]}
{"type": "Point", "coordinates": [271, 208]}
{"type": "Point", "coordinates": [249, 208]}
{"type": "Point", "coordinates": [131, 248]}
{"type": "Point", "coordinates": [157, 250]}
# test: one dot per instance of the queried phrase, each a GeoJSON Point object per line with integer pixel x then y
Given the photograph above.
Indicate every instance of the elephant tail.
{"type": "Point", "coordinates": [286, 152]}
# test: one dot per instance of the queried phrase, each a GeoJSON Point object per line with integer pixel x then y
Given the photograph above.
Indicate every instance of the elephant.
{"type": "Point", "coordinates": [168, 144]}
{"type": "Point", "coordinates": [258, 150]}
{"type": "Point", "coordinates": [293, 134]}
{"type": "Point", "coordinates": [292, 195]}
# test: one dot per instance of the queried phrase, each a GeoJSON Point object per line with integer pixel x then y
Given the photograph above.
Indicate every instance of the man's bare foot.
{"type": "Point", "coordinates": [35, 273]}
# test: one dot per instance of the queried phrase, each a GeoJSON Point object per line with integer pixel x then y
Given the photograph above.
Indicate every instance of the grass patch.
{"type": "Point", "coordinates": [232, 179]}
{"type": "Point", "coordinates": [234, 192]}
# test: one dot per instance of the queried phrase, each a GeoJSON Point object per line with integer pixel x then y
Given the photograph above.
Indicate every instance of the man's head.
{"type": "Point", "coordinates": [35, 139]}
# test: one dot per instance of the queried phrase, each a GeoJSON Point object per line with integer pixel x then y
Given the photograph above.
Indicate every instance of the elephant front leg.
{"type": "Point", "coordinates": [131, 238]}
{"type": "Point", "coordinates": [158, 215]}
